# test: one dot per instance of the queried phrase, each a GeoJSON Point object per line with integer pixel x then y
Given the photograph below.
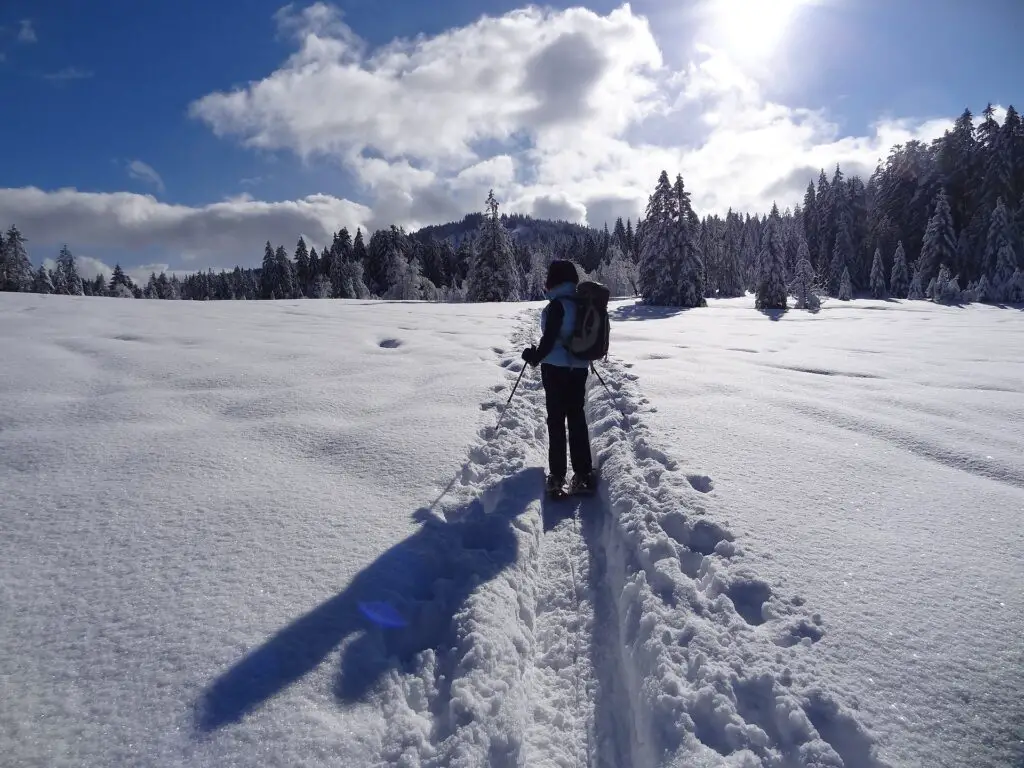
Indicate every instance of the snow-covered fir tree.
{"type": "Point", "coordinates": [493, 275]}
{"type": "Point", "coordinates": [303, 275]}
{"type": "Point", "coordinates": [916, 290]}
{"type": "Point", "coordinates": [42, 281]}
{"type": "Point", "coordinates": [802, 286]}
{"type": "Point", "coordinates": [899, 280]}
{"type": "Point", "coordinates": [15, 267]}
{"type": "Point", "coordinates": [946, 287]}
{"type": "Point", "coordinates": [983, 290]}
{"type": "Point", "coordinates": [1013, 292]}
{"type": "Point", "coordinates": [842, 253]}
{"type": "Point", "coordinates": [771, 281]}
{"type": "Point", "coordinates": [845, 292]}
{"type": "Point", "coordinates": [657, 256]}
{"type": "Point", "coordinates": [878, 288]}
{"type": "Point", "coordinates": [1002, 275]}
{"type": "Point", "coordinates": [619, 274]}
{"type": "Point", "coordinates": [268, 274]}
{"type": "Point", "coordinates": [67, 280]}
{"type": "Point", "coordinates": [690, 277]}
{"type": "Point", "coordinates": [285, 274]}
{"type": "Point", "coordinates": [999, 234]}
{"type": "Point", "coordinates": [671, 272]}
{"type": "Point", "coordinates": [730, 271]}
{"type": "Point", "coordinates": [939, 245]}
{"type": "Point", "coordinates": [121, 286]}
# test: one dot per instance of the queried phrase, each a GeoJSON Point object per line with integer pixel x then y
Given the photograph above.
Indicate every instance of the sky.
{"type": "Point", "coordinates": [185, 135]}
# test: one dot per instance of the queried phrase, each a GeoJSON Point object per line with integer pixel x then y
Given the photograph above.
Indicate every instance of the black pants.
{"type": "Point", "coordinates": [565, 394]}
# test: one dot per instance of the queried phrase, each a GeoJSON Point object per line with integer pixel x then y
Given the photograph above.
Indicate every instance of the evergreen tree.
{"type": "Point", "coordinates": [303, 275]}
{"type": "Point", "coordinates": [916, 290]}
{"type": "Point", "coordinates": [826, 227]}
{"type": "Point", "coordinates": [947, 288]}
{"type": "Point", "coordinates": [359, 248]}
{"type": "Point", "coordinates": [845, 287]}
{"type": "Point", "coordinates": [619, 233]}
{"type": "Point", "coordinates": [1014, 291]}
{"type": "Point", "coordinates": [1002, 275]}
{"type": "Point", "coordinates": [810, 219]}
{"type": "Point", "coordinates": [268, 273]}
{"type": "Point", "coordinates": [878, 289]}
{"type": "Point", "coordinates": [120, 285]}
{"type": "Point", "coordinates": [657, 257]}
{"type": "Point", "coordinates": [802, 287]}
{"type": "Point", "coordinates": [68, 281]}
{"type": "Point", "coordinates": [939, 246]}
{"type": "Point", "coordinates": [42, 281]}
{"type": "Point", "coordinates": [999, 235]}
{"type": "Point", "coordinates": [375, 269]}
{"type": "Point", "coordinates": [983, 291]}
{"type": "Point", "coordinates": [899, 280]}
{"type": "Point", "coordinates": [314, 273]}
{"type": "Point", "coordinates": [842, 254]}
{"type": "Point", "coordinates": [15, 267]}
{"type": "Point", "coordinates": [493, 274]}
{"type": "Point", "coordinates": [771, 280]}
{"type": "Point", "coordinates": [285, 274]}
{"type": "Point", "coordinates": [690, 276]}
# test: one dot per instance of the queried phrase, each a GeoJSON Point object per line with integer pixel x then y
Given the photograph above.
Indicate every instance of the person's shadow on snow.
{"type": "Point", "coordinates": [402, 603]}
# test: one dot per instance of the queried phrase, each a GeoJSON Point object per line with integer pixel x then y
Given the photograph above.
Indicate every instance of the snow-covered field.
{"type": "Point", "coordinates": [288, 533]}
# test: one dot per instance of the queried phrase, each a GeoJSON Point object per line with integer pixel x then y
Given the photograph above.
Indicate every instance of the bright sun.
{"type": "Point", "coordinates": [752, 28]}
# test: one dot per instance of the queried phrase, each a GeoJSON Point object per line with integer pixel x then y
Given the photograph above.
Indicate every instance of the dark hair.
{"type": "Point", "coordinates": [561, 271]}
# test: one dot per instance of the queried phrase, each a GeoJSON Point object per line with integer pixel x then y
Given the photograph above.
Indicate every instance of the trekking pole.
{"type": "Point", "coordinates": [625, 419]}
{"type": "Point", "coordinates": [514, 387]}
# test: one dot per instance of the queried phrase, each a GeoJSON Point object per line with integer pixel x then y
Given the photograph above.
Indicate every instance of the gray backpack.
{"type": "Point", "coordinates": [590, 335]}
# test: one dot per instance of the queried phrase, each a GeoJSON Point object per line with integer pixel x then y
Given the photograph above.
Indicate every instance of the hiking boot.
{"type": "Point", "coordinates": [583, 483]}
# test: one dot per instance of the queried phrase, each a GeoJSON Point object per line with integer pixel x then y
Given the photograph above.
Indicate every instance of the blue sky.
{"type": "Point", "coordinates": [200, 106]}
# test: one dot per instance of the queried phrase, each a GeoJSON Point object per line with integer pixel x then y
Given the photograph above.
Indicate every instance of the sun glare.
{"type": "Point", "coordinates": [752, 28]}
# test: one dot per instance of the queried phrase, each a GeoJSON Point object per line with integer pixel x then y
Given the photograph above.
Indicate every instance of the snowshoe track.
{"type": "Point", "coordinates": [627, 630]}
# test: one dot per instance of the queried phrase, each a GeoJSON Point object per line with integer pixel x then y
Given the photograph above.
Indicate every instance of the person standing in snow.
{"type": "Point", "coordinates": [565, 384]}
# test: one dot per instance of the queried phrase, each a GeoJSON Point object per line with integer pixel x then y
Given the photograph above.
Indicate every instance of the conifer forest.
{"type": "Point", "coordinates": [940, 221]}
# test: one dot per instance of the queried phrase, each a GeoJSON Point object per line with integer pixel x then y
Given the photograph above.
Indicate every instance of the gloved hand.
{"type": "Point", "coordinates": [530, 356]}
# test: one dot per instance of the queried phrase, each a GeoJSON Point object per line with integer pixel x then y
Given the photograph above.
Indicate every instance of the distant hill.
{"type": "Point", "coordinates": [526, 230]}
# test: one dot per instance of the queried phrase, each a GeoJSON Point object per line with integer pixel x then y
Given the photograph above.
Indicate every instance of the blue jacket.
{"type": "Point", "coordinates": [555, 334]}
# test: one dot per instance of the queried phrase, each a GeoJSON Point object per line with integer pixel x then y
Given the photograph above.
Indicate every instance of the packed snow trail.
{"type": "Point", "coordinates": [630, 632]}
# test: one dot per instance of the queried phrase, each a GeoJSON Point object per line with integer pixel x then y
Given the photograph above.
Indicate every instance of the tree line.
{"type": "Point", "coordinates": [942, 220]}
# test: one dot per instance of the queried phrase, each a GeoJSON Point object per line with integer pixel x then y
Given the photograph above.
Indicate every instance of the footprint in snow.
{"type": "Point", "coordinates": [701, 483]}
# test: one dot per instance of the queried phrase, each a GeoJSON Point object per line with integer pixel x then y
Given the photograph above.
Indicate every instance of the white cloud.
{"type": "Point", "coordinates": [27, 33]}
{"type": "Point", "coordinates": [569, 114]}
{"type": "Point", "coordinates": [140, 170]}
{"type": "Point", "coordinates": [542, 105]}
{"type": "Point", "coordinates": [219, 234]}
{"type": "Point", "coordinates": [432, 98]}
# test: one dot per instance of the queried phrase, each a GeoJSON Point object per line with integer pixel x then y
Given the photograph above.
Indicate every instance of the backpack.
{"type": "Point", "coordinates": [589, 339]}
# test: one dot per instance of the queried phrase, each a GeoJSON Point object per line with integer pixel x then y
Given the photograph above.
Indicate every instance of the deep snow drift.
{"type": "Point", "coordinates": [288, 533]}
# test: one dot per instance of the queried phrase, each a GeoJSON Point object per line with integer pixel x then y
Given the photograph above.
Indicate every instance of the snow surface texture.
{"type": "Point", "coordinates": [252, 534]}
{"type": "Point", "coordinates": [870, 459]}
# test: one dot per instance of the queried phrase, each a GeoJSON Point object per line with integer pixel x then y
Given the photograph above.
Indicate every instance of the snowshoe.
{"type": "Point", "coordinates": [583, 485]}
{"type": "Point", "coordinates": [554, 487]}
